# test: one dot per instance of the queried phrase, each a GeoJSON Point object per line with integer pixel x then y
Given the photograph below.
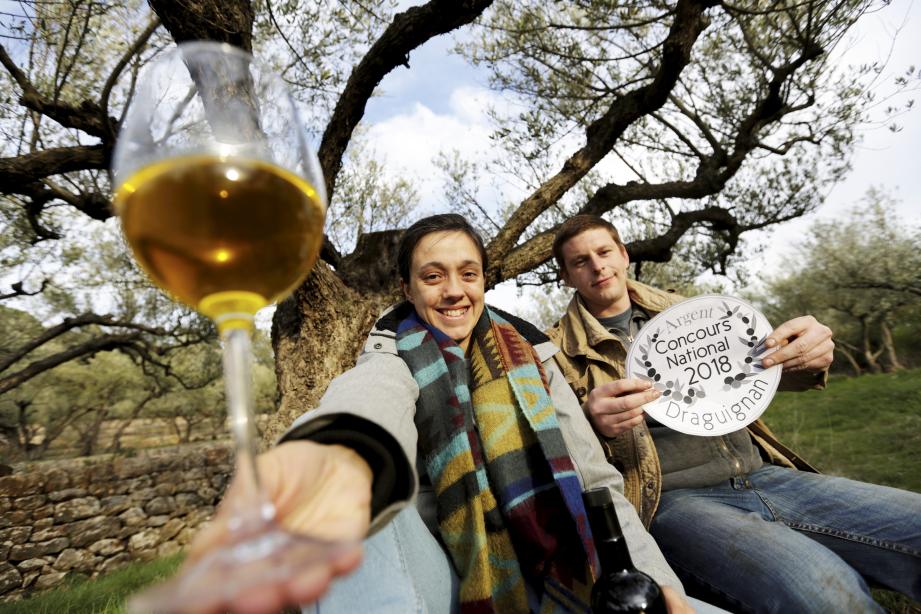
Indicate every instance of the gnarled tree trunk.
{"type": "Point", "coordinates": [847, 350]}
{"type": "Point", "coordinates": [892, 359]}
{"type": "Point", "coordinates": [317, 334]}
{"type": "Point", "coordinates": [867, 352]}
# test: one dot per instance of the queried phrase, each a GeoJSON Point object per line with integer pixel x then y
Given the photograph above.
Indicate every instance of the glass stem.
{"type": "Point", "coordinates": [252, 510]}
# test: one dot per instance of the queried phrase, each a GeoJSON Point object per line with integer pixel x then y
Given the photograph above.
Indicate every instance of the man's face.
{"type": "Point", "coordinates": [596, 266]}
{"type": "Point", "coordinates": [446, 284]}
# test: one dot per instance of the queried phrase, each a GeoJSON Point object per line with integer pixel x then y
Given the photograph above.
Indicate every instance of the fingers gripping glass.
{"type": "Point", "coordinates": [223, 205]}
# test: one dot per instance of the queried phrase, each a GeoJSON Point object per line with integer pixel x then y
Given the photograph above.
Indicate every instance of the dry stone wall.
{"type": "Point", "coordinates": [91, 516]}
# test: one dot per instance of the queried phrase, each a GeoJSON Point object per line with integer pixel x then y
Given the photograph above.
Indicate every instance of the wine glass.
{"type": "Point", "coordinates": [223, 204]}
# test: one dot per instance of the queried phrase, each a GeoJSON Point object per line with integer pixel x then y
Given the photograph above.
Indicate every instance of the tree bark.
{"type": "Point", "coordinates": [23, 426]}
{"type": "Point", "coordinates": [226, 21]}
{"type": "Point", "coordinates": [849, 356]}
{"type": "Point", "coordinates": [116, 444]}
{"type": "Point", "coordinates": [867, 352]}
{"type": "Point", "coordinates": [55, 430]}
{"type": "Point", "coordinates": [317, 334]}
{"type": "Point", "coordinates": [892, 360]}
{"type": "Point", "coordinates": [90, 436]}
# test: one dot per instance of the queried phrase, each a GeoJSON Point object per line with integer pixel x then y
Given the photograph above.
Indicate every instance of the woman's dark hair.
{"type": "Point", "coordinates": [444, 222]}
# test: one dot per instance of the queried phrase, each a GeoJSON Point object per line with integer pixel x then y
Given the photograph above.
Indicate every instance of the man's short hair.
{"type": "Point", "coordinates": [575, 226]}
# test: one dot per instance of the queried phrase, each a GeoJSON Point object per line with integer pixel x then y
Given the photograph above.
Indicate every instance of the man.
{"type": "Point", "coordinates": [744, 522]}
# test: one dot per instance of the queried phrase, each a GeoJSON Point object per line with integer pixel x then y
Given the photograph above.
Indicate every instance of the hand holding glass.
{"type": "Point", "coordinates": [223, 205]}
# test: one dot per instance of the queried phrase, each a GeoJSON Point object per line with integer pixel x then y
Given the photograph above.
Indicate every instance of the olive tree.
{"type": "Point", "coordinates": [704, 118]}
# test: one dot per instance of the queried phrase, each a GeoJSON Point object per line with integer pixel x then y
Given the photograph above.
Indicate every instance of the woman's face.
{"type": "Point", "coordinates": [446, 284]}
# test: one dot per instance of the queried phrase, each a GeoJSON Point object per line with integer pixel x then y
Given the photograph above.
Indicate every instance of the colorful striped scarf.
{"type": "Point", "coordinates": [509, 502]}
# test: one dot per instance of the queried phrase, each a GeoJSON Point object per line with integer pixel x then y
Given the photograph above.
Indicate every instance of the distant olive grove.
{"type": "Point", "coordinates": [113, 401]}
{"type": "Point", "coordinates": [862, 276]}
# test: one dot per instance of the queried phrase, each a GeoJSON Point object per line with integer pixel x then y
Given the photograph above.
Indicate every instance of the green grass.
{"type": "Point", "coordinates": [867, 428]}
{"type": "Point", "coordinates": [104, 595]}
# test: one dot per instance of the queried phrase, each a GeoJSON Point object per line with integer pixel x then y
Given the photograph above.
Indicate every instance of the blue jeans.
{"type": "Point", "coordinates": [405, 570]}
{"type": "Point", "coordinates": [781, 540]}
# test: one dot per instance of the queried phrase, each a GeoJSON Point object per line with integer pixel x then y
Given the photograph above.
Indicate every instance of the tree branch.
{"type": "Point", "coordinates": [17, 290]}
{"type": "Point", "coordinates": [89, 348]}
{"type": "Point", "coordinates": [135, 48]}
{"type": "Point", "coordinates": [93, 204]}
{"type": "Point", "coordinates": [68, 324]}
{"type": "Point", "coordinates": [19, 172]}
{"type": "Point", "coordinates": [536, 250]}
{"type": "Point", "coordinates": [226, 21]}
{"type": "Point", "coordinates": [88, 117]}
{"type": "Point", "coordinates": [678, 133]}
{"type": "Point", "coordinates": [701, 125]}
{"type": "Point", "coordinates": [406, 32]}
{"type": "Point", "coordinates": [771, 108]}
{"type": "Point", "coordinates": [712, 175]}
{"type": "Point", "coordinates": [882, 285]}
{"type": "Point", "coordinates": [603, 133]}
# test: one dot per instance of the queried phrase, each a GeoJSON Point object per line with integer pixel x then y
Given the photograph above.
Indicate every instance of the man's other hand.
{"type": "Point", "coordinates": [616, 407]}
{"type": "Point", "coordinates": [804, 344]}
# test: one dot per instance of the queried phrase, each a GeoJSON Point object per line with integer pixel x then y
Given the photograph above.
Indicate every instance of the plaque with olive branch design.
{"type": "Point", "coordinates": [704, 355]}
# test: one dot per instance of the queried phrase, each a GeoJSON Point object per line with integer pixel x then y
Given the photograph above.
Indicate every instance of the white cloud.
{"type": "Point", "coordinates": [505, 297]}
{"type": "Point", "coordinates": [470, 103]}
{"type": "Point", "coordinates": [409, 142]}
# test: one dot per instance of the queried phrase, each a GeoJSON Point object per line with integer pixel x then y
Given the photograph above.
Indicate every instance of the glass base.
{"type": "Point", "coordinates": [263, 567]}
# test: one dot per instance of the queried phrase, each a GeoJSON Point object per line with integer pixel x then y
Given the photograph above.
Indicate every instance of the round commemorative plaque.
{"type": "Point", "coordinates": [704, 354]}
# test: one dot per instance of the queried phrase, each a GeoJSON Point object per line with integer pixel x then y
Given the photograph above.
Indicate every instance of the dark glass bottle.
{"type": "Point", "coordinates": [621, 587]}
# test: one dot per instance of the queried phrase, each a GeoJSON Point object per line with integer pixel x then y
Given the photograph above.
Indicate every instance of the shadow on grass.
{"type": "Point", "coordinates": [104, 595]}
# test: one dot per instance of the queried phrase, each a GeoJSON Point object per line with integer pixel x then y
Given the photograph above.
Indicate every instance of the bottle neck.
{"type": "Point", "coordinates": [614, 555]}
{"type": "Point", "coordinates": [606, 531]}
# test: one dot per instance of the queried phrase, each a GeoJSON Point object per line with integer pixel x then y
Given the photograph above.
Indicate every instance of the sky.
{"type": "Point", "coordinates": [440, 103]}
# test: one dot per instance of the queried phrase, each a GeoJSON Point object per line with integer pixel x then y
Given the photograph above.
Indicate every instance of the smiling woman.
{"type": "Point", "coordinates": [441, 263]}
{"type": "Point", "coordinates": [446, 284]}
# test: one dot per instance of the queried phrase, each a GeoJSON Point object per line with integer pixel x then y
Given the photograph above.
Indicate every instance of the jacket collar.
{"type": "Point", "coordinates": [581, 330]}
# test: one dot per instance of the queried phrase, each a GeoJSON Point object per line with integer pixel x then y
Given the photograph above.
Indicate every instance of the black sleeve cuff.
{"type": "Point", "coordinates": [382, 452]}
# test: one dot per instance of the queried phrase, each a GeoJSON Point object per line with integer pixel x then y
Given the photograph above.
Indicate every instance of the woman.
{"type": "Point", "coordinates": [465, 405]}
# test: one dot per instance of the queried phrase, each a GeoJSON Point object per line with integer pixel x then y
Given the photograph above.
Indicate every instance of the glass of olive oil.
{"type": "Point", "coordinates": [222, 203]}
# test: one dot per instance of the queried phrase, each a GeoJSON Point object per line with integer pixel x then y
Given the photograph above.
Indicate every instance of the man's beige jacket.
{"type": "Point", "coordinates": [592, 356]}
